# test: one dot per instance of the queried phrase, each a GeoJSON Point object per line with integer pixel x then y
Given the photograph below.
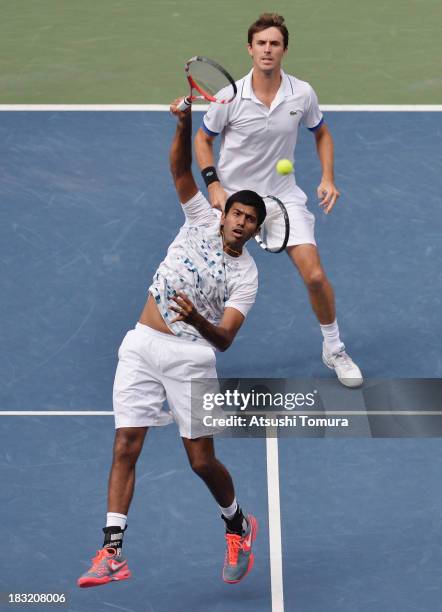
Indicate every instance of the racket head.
{"type": "Point", "coordinates": [210, 79]}
{"type": "Point", "coordinates": [275, 231]}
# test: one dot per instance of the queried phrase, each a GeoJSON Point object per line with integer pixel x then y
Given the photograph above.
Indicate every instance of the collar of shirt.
{"type": "Point", "coordinates": [285, 90]}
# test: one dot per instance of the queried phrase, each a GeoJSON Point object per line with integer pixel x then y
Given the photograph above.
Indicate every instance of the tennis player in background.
{"type": "Point", "coordinates": [197, 302]}
{"type": "Point", "coordinates": [257, 129]}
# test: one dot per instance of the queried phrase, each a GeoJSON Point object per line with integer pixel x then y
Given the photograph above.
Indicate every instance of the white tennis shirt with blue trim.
{"type": "Point", "coordinates": [254, 137]}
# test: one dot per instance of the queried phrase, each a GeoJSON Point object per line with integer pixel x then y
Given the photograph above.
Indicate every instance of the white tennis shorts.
{"type": "Point", "coordinates": [154, 367]}
{"type": "Point", "coordinates": [302, 224]}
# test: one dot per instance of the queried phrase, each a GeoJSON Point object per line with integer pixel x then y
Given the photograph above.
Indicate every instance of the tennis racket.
{"type": "Point", "coordinates": [209, 80]}
{"type": "Point", "coordinates": [275, 231]}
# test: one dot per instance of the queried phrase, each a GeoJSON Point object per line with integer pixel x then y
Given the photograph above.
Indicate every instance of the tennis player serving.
{"type": "Point", "coordinates": [258, 128]}
{"type": "Point", "coordinates": [197, 302]}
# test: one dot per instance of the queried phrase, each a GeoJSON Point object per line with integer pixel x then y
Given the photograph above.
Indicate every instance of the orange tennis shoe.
{"type": "Point", "coordinates": [239, 557]}
{"type": "Point", "coordinates": [107, 566]}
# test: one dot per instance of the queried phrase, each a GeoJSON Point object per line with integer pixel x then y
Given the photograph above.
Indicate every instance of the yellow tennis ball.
{"type": "Point", "coordinates": [284, 166]}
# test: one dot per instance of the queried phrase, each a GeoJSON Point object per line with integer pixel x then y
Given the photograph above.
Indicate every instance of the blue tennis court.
{"type": "Point", "coordinates": [88, 210]}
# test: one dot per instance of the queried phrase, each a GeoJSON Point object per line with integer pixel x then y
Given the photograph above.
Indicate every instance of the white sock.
{"type": "Point", "coordinates": [229, 512]}
{"type": "Point", "coordinates": [332, 341]}
{"type": "Point", "coordinates": [113, 519]}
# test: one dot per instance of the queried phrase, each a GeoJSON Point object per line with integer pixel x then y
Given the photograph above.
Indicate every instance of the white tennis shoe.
{"type": "Point", "coordinates": [346, 370]}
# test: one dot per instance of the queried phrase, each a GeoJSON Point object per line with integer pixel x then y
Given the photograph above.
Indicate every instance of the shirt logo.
{"type": "Point", "coordinates": [293, 112]}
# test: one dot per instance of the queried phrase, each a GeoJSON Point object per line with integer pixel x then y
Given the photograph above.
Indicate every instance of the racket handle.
{"type": "Point", "coordinates": [184, 104]}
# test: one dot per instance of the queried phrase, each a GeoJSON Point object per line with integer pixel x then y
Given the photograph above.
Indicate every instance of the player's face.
{"type": "Point", "coordinates": [239, 225]}
{"type": "Point", "coordinates": [267, 49]}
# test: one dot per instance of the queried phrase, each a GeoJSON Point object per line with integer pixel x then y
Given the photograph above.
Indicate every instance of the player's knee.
{"type": "Point", "coordinates": [315, 279]}
{"type": "Point", "coordinates": [202, 466]}
{"type": "Point", "coordinates": [127, 447]}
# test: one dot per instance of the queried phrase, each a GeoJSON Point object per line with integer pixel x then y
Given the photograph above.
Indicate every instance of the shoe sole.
{"type": "Point", "coordinates": [351, 383]}
{"type": "Point", "coordinates": [85, 583]}
{"type": "Point", "coordinates": [254, 524]}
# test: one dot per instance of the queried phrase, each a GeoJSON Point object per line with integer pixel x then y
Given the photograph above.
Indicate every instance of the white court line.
{"type": "Point", "coordinates": [274, 525]}
{"type": "Point", "coordinates": [394, 108]}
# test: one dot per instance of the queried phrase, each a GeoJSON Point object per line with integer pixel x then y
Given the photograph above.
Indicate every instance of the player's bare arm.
{"type": "Point", "coordinates": [222, 335]}
{"type": "Point", "coordinates": [180, 156]}
{"type": "Point", "coordinates": [327, 190]}
{"type": "Point", "coordinates": [206, 159]}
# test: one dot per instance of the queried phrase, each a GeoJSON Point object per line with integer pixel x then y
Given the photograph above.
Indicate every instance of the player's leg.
{"type": "Point", "coordinates": [204, 463]}
{"type": "Point", "coordinates": [240, 530]}
{"type": "Point", "coordinates": [190, 375]}
{"type": "Point", "coordinates": [306, 259]}
{"type": "Point", "coordinates": [109, 564]}
{"type": "Point", "coordinates": [138, 398]}
{"type": "Point", "coordinates": [128, 444]}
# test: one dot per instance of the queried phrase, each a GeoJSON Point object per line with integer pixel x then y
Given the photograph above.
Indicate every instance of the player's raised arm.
{"type": "Point", "coordinates": [180, 155]}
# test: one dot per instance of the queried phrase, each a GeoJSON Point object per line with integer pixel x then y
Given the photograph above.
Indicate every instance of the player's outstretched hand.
{"type": "Point", "coordinates": [217, 196]}
{"type": "Point", "coordinates": [328, 195]}
{"type": "Point", "coordinates": [185, 309]}
{"type": "Point", "coordinates": [178, 113]}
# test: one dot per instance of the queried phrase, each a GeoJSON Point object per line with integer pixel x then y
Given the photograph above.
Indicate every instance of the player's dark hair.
{"type": "Point", "coordinates": [269, 20]}
{"type": "Point", "coordinates": [249, 198]}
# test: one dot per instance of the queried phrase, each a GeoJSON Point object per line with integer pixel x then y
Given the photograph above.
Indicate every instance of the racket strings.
{"type": "Point", "coordinates": [274, 232]}
{"type": "Point", "coordinates": [209, 80]}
